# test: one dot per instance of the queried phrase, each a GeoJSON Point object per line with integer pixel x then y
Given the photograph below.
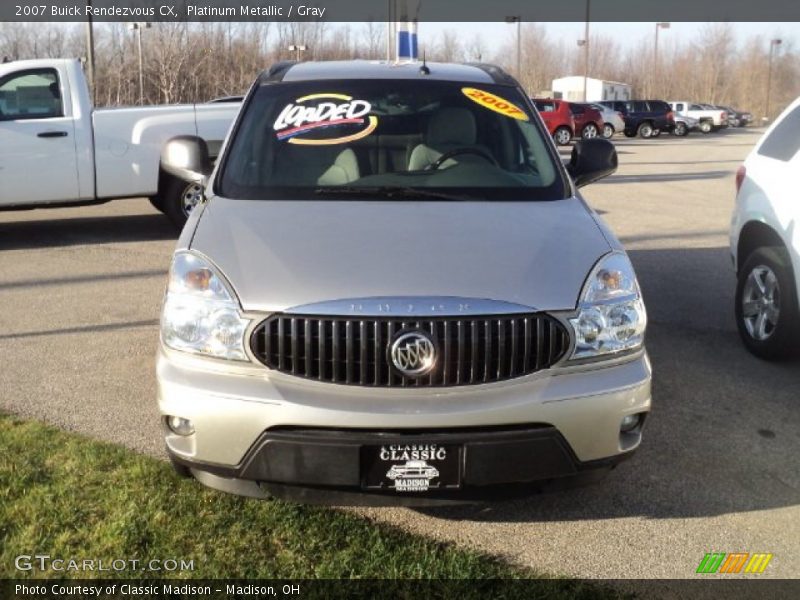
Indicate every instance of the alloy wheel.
{"type": "Point", "coordinates": [761, 303]}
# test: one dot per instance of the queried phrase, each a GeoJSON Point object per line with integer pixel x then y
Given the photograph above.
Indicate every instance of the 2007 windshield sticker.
{"type": "Point", "coordinates": [495, 103]}
{"type": "Point", "coordinates": [298, 120]}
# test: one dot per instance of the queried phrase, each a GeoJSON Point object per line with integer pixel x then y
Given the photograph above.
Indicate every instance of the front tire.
{"type": "Point", "coordinates": [680, 130]}
{"type": "Point", "coordinates": [589, 131]}
{"type": "Point", "coordinates": [179, 199]}
{"type": "Point", "coordinates": [766, 304]}
{"type": "Point", "coordinates": [608, 131]}
{"type": "Point", "coordinates": [562, 136]}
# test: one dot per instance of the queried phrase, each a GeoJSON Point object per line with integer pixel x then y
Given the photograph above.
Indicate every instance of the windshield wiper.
{"type": "Point", "coordinates": [392, 192]}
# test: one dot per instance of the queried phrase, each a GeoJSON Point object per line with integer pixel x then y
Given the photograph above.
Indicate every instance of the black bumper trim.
{"type": "Point", "coordinates": [290, 460]}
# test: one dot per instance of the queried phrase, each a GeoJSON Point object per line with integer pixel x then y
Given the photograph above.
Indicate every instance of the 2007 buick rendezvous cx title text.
{"type": "Point", "coordinates": [395, 294]}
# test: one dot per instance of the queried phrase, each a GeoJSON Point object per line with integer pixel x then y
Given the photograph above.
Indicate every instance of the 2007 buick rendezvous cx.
{"type": "Point", "coordinates": [394, 293]}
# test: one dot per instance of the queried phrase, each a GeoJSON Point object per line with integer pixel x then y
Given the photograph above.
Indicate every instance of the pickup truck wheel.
{"type": "Point", "coordinates": [706, 126]}
{"type": "Point", "coordinates": [562, 136]}
{"type": "Point", "coordinates": [680, 129]}
{"type": "Point", "coordinates": [766, 304]}
{"type": "Point", "coordinates": [645, 130]}
{"type": "Point", "coordinates": [656, 133]}
{"type": "Point", "coordinates": [589, 132]}
{"type": "Point", "coordinates": [608, 131]}
{"type": "Point", "coordinates": [179, 199]}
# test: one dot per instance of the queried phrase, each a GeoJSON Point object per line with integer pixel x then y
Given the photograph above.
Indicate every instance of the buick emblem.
{"type": "Point", "coordinates": [413, 354]}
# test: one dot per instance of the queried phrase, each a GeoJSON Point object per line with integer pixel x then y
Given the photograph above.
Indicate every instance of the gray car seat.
{"type": "Point", "coordinates": [448, 129]}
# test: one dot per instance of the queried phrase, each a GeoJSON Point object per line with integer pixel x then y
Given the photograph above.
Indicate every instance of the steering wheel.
{"type": "Point", "coordinates": [455, 152]}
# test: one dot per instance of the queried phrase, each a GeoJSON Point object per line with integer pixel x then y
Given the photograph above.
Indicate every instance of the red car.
{"type": "Point", "coordinates": [557, 115]}
{"type": "Point", "coordinates": [588, 120]}
{"type": "Point", "coordinates": [565, 119]}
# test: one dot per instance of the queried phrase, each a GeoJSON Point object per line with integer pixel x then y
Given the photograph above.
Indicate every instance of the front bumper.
{"type": "Point", "coordinates": [255, 425]}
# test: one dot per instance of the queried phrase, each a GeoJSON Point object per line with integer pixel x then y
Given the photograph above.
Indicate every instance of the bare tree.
{"type": "Point", "coordinates": [189, 62]}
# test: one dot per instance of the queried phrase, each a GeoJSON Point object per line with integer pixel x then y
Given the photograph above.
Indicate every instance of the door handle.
{"type": "Point", "coordinates": [52, 134]}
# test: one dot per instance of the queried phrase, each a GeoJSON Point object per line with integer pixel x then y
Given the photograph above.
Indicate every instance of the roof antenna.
{"type": "Point", "coordinates": [424, 70]}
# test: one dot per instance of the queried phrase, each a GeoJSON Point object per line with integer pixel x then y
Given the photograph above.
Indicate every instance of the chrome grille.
{"type": "Point", "coordinates": [470, 350]}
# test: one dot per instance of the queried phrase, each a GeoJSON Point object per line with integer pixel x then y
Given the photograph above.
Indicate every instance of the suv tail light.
{"type": "Point", "coordinates": [670, 116]}
{"type": "Point", "coordinates": [723, 116]}
{"type": "Point", "coordinates": [740, 175]}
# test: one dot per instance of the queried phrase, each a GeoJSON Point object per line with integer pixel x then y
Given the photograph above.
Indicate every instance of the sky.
{"type": "Point", "coordinates": [626, 33]}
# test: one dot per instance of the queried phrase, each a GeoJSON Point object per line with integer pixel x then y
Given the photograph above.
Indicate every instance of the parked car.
{"type": "Point", "coordinates": [725, 124]}
{"type": "Point", "coordinates": [558, 118]}
{"type": "Point", "coordinates": [613, 120]}
{"type": "Point", "coordinates": [765, 245]}
{"type": "Point", "coordinates": [645, 118]}
{"type": "Point", "coordinates": [48, 125]}
{"type": "Point", "coordinates": [711, 119]}
{"type": "Point", "coordinates": [329, 315]}
{"type": "Point", "coordinates": [684, 124]}
{"type": "Point", "coordinates": [737, 118]}
{"type": "Point", "coordinates": [588, 120]}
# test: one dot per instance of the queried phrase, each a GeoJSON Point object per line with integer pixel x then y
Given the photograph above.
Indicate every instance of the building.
{"type": "Point", "coordinates": [571, 89]}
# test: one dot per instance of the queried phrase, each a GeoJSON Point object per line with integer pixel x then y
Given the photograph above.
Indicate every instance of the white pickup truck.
{"type": "Point", "coordinates": [56, 149]}
{"type": "Point", "coordinates": [710, 120]}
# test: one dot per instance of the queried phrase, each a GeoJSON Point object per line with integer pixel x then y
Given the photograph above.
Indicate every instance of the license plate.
{"type": "Point", "coordinates": [411, 468]}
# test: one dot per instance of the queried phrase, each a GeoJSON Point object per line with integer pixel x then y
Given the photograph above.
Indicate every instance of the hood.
{"type": "Point", "coordinates": [283, 254]}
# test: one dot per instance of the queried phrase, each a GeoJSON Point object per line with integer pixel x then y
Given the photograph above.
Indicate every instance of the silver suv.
{"type": "Point", "coordinates": [394, 267]}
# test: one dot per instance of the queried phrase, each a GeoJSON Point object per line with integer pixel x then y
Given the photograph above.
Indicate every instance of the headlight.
{"type": "Point", "coordinates": [201, 313]}
{"type": "Point", "coordinates": [611, 316]}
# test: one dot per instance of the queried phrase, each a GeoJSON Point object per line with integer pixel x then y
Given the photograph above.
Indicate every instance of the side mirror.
{"type": "Point", "coordinates": [591, 160]}
{"type": "Point", "coordinates": [187, 158]}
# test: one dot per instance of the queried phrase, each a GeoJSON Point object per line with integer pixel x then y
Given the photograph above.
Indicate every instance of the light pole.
{"type": "Point", "coordinates": [772, 45]}
{"type": "Point", "coordinates": [297, 49]}
{"type": "Point", "coordinates": [586, 52]}
{"type": "Point", "coordinates": [655, 56]}
{"type": "Point", "coordinates": [518, 20]}
{"type": "Point", "coordinates": [90, 50]}
{"type": "Point", "coordinates": [137, 27]}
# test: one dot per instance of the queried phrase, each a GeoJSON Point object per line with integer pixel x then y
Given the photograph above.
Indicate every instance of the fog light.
{"type": "Point", "coordinates": [629, 422]}
{"type": "Point", "coordinates": [180, 425]}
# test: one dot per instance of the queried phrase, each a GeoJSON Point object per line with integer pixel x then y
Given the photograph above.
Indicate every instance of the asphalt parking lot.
{"type": "Point", "coordinates": [719, 469]}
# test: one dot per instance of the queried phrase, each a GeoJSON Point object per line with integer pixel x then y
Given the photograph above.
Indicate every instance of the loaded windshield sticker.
{"type": "Point", "coordinates": [299, 119]}
{"type": "Point", "coordinates": [495, 103]}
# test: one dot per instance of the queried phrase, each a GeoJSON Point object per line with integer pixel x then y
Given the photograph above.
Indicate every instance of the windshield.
{"type": "Point", "coordinates": [445, 140]}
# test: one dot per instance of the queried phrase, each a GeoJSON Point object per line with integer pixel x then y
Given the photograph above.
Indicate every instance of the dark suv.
{"type": "Point", "coordinates": [645, 118]}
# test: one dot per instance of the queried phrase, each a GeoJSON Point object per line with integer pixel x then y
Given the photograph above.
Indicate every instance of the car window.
{"type": "Point", "coordinates": [33, 94]}
{"type": "Point", "coordinates": [544, 106]}
{"type": "Point", "coordinates": [679, 106]}
{"type": "Point", "coordinates": [304, 139]}
{"type": "Point", "coordinates": [576, 109]}
{"type": "Point", "coordinates": [784, 141]}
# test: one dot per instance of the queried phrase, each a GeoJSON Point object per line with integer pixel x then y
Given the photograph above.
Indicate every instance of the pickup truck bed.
{"type": "Point", "coordinates": [58, 150]}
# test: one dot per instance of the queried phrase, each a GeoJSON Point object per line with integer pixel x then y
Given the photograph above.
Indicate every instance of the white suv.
{"type": "Point", "coordinates": [765, 242]}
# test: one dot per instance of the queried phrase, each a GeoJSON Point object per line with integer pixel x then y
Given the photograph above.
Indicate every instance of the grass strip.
{"type": "Point", "coordinates": [67, 496]}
